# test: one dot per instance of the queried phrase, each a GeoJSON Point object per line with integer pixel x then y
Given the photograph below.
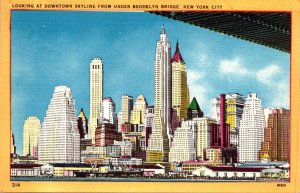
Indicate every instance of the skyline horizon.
{"type": "Point", "coordinates": [194, 76]}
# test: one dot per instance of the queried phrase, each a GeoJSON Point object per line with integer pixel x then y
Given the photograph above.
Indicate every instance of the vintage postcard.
{"type": "Point", "coordinates": [111, 96]}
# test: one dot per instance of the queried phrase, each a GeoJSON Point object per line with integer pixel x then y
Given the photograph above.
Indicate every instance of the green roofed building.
{"type": "Point", "coordinates": [194, 110]}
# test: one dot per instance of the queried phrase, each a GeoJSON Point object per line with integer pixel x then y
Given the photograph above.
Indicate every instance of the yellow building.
{"type": "Point", "coordinates": [139, 109]}
{"type": "Point", "coordinates": [127, 105]}
{"type": "Point", "coordinates": [31, 130]}
{"type": "Point", "coordinates": [234, 109]}
{"type": "Point", "coordinates": [180, 93]}
{"type": "Point", "coordinates": [213, 154]}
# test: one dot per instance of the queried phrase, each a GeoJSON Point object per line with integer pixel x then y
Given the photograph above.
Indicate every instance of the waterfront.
{"type": "Point", "coordinates": [136, 179]}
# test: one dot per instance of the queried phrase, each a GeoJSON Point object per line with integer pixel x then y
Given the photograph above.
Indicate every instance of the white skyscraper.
{"type": "Point", "coordinates": [108, 112]}
{"type": "Point", "coordinates": [96, 94]}
{"type": "Point", "coordinates": [59, 139]}
{"type": "Point", "coordinates": [158, 147]}
{"type": "Point", "coordinates": [251, 133]}
{"type": "Point", "coordinates": [183, 148]}
{"type": "Point", "coordinates": [215, 108]}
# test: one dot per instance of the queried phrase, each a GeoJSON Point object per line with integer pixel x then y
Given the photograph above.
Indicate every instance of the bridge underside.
{"type": "Point", "coordinates": [270, 29]}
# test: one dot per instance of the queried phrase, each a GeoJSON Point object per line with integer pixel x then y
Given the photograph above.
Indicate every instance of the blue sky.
{"type": "Point", "coordinates": [51, 48]}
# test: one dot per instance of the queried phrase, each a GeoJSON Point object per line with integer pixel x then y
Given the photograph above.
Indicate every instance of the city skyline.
{"type": "Point", "coordinates": [73, 71]}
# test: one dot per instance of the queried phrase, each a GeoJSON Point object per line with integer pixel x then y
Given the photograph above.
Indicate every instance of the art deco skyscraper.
{"type": "Point", "coordinates": [251, 133]}
{"type": "Point", "coordinates": [180, 95]}
{"type": "Point", "coordinates": [31, 130]}
{"type": "Point", "coordinates": [96, 94]}
{"type": "Point", "coordinates": [277, 136]}
{"type": "Point", "coordinates": [127, 106]}
{"type": "Point", "coordinates": [139, 110]}
{"type": "Point", "coordinates": [59, 139]}
{"type": "Point", "coordinates": [158, 148]}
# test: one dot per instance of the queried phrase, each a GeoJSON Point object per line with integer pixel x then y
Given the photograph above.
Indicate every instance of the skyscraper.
{"type": "Point", "coordinates": [182, 148]}
{"type": "Point", "coordinates": [59, 139]}
{"type": "Point", "coordinates": [82, 122]}
{"type": "Point", "coordinates": [215, 108]}
{"type": "Point", "coordinates": [31, 130]}
{"type": "Point", "coordinates": [139, 110]}
{"type": "Point", "coordinates": [203, 125]}
{"type": "Point", "coordinates": [251, 133]}
{"type": "Point", "coordinates": [158, 148]}
{"type": "Point", "coordinates": [108, 112]}
{"type": "Point", "coordinates": [234, 109]}
{"type": "Point", "coordinates": [277, 136]}
{"type": "Point", "coordinates": [127, 106]}
{"type": "Point", "coordinates": [96, 94]}
{"type": "Point", "coordinates": [180, 95]}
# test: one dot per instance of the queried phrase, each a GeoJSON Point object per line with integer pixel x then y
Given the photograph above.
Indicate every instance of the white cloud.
{"type": "Point", "coordinates": [281, 95]}
{"type": "Point", "coordinates": [267, 74]}
{"type": "Point", "coordinates": [234, 66]}
{"type": "Point", "coordinates": [193, 76]}
{"type": "Point", "coordinates": [201, 94]}
{"type": "Point", "coordinates": [198, 88]}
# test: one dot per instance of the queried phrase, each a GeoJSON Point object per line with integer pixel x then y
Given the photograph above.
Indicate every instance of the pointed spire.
{"type": "Point", "coordinates": [194, 104]}
{"type": "Point", "coordinates": [177, 56]}
{"type": "Point", "coordinates": [177, 46]}
{"type": "Point", "coordinates": [81, 114]}
{"type": "Point", "coordinates": [163, 31]}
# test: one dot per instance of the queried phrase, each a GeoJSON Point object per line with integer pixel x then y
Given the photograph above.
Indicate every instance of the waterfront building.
{"type": "Point", "coordinates": [108, 112]}
{"type": "Point", "coordinates": [96, 94]}
{"type": "Point", "coordinates": [194, 110]}
{"type": "Point", "coordinates": [180, 97]}
{"type": "Point", "coordinates": [158, 147]}
{"type": "Point", "coordinates": [182, 148]}
{"type": "Point", "coordinates": [105, 135]}
{"type": "Point", "coordinates": [82, 122]}
{"type": "Point", "coordinates": [31, 130]}
{"type": "Point", "coordinates": [251, 132]}
{"type": "Point", "coordinates": [276, 144]}
{"type": "Point", "coordinates": [25, 170]}
{"type": "Point", "coordinates": [139, 110]}
{"type": "Point", "coordinates": [59, 139]}
{"type": "Point", "coordinates": [228, 172]}
{"type": "Point", "coordinates": [126, 106]}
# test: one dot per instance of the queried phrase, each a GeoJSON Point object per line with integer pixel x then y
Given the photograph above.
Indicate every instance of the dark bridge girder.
{"type": "Point", "coordinates": [271, 29]}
